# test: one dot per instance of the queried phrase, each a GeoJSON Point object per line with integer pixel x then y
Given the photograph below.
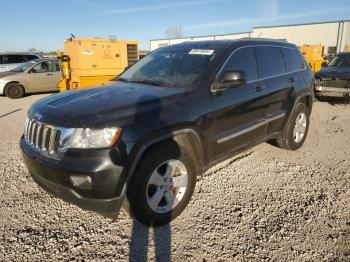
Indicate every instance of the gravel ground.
{"type": "Point", "coordinates": [265, 204]}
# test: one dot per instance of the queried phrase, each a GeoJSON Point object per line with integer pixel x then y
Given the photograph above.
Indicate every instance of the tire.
{"type": "Point", "coordinates": [289, 139]}
{"type": "Point", "coordinates": [142, 191]}
{"type": "Point", "coordinates": [14, 90]}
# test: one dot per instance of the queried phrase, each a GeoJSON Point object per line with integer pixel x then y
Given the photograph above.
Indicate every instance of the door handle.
{"type": "Point", "coordinates": [49, 74]}
{"type": "Point", "coordinates": [259, 89]}
{"type": "Point", "coordinates": [291, 80]}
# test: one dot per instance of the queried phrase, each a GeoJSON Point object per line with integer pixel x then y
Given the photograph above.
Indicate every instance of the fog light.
{"type": "Point", "coordinates": [81, 181]}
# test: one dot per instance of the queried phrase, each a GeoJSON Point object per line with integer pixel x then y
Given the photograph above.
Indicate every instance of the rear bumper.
{"type": "Point", "coordinates": [104, 197]}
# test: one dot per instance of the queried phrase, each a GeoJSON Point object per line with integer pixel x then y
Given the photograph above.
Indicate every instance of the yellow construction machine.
{"type": "Point", "coordinates": [90, 61]}
{"type": "Point", "coordinates": [314, 56]}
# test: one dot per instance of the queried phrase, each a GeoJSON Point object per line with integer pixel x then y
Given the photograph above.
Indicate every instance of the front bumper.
{"type": "Point", "coordinates": [107, 188]}
{"type": "Point", "coordinates": [332, 91]}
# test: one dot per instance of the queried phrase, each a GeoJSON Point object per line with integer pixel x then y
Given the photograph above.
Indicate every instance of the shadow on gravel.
{"type": "Point", "coordinates": [138, 246]}
{"type": "Point", "coordinates": [335, 100]}
{"type": "Point", "coordinates": [9, 113]}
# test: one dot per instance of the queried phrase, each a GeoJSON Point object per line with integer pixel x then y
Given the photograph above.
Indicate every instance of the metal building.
{"type": "Point", "coordinates": [333, 35]}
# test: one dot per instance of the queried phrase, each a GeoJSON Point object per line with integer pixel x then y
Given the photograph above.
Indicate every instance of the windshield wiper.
{"type": "Point", "coordinates": [146, 81]}
{"type": "Point", "coordinates": [122, 79]}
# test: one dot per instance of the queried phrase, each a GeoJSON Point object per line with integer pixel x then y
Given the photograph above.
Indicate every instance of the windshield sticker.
{"type": "Point", "coordinates": [201, 52]}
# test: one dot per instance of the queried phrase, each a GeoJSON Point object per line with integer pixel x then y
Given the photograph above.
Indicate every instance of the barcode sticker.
{"type": "Point", "coordinates": [201, 52]}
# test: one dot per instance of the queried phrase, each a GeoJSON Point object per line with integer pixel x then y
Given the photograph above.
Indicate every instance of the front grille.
{"type": "Point", "coordinates": [42, 138]}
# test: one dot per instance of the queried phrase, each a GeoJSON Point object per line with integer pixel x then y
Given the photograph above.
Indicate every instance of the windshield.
{"type": "Point", "coordinates": [24, 66]}
{"type": "Point", "coordinates": [340, 61]}
{"type": "Point", "coordinates": [171, 67]}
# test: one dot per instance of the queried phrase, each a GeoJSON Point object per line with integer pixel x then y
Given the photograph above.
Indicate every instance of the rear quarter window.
{"type": "Point", "coordinates": [292, 59]}
{"type": "Point", "coordinates": [270, 61]}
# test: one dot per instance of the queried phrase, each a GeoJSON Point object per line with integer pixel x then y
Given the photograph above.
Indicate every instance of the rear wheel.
{"type": "Point", "coordinates": [295, 133]}
{"type": "Point", "coordinates": [163, 184]}
{"type": "Point", "coordinates": [14, 91]}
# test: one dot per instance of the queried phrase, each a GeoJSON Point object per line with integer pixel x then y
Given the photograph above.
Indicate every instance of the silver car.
{"type": "Point", "coordinates": [36, 76]}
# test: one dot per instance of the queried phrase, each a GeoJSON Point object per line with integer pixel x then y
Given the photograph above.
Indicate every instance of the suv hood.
{"type": "Point", "coordinates": [336, 72]}
{"type": "Point", "coordinates": [116, 103]}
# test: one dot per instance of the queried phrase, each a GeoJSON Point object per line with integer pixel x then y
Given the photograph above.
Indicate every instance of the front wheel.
{"type": "Point", "coordinates": [14, 91]}
{"type": "Point", "coordinates": [163, 184]}
{"type": "Point", "coordinates": [295, 133]}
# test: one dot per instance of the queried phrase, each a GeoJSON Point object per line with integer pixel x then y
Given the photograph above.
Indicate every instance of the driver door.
{"type": "Point", "coordinates": [43, 77]}
{"type": "Point", "coordinates": [239, 112]}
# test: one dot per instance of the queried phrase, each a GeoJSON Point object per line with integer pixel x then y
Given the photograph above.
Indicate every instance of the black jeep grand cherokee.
{"type": "Point", "coordinates": [168, 118]}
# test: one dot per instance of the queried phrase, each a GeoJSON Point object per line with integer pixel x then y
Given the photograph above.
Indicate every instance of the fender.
{"type": "Point", "coordinates": [308, 95]}
{"type": "Point", "coordinates": [159, 139]}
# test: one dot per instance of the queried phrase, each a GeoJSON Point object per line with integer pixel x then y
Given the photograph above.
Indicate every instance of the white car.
{"type": "Point", "coordinates": [9, 61]}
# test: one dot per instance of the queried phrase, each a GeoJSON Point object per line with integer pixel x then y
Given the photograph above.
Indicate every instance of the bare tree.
{"type": "Point", "coordinates": [174, 32]}
{"type": "Point", "coordinates": [32, 50]}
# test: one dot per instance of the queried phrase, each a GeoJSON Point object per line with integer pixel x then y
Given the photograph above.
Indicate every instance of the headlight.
{"type": "Point", "coordinates": [92, 138]}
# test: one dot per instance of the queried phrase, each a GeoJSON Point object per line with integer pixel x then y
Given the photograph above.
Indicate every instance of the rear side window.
{"type": "Point", "coordinates": [293, 60]}
{"type": "Point", "coordinates": [14, 59]}
{"type": "Point", "coordinates": [30, 57]}
{"type": "Point", "coordinates": [270, 61]}
{"type": "Point", "coordinates": [243, 59]}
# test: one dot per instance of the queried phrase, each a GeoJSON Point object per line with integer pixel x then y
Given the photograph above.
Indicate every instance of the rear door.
{"type": "Point", "coordinates": [279, 85]}
{"type": "Point", "coordinates": [238, 113]}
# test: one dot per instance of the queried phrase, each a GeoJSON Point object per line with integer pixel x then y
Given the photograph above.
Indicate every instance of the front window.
{"type": "Point", "coordinates": [178, 67]}
{"type": "Point", "coordinates": [43, 67]}
{"type": "Point", "coordinates": [340, 61]}
{"type": "Point", "coordinates": [24, 66]}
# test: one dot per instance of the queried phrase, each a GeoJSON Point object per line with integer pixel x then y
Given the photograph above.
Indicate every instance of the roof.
{"type": "Point", "coordinates": [18, 53]}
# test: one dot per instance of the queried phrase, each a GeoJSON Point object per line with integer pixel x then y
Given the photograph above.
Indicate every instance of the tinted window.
{"type": "Point", "coordinates": [1, 57]}
{"type": "Point", "coordinates": [341, 61]}
{"type": "Point", "coordinates": [270, 61]}
{"type": "Point", "coordinates": [243, 59]}
{"type": "Point", "coordinates": [293, 60]}
{"type": "Point", "coordinates": [30, 57]}
{"type": "Point", "coordinates": [42, 67]}
{"type": "Point", "coordinates": [14, 59]}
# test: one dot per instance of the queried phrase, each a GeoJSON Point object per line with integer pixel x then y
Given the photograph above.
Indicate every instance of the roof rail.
{"type": "Point", "coordinates": [263, 39]}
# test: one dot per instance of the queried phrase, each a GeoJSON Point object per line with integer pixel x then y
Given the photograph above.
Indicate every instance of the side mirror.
{"type": "Point", "coordinates": [233, 78]}
{"type": "Point", "coordinates": [229, 79]}
{"type": "Point", "coordinates": [324, 64]}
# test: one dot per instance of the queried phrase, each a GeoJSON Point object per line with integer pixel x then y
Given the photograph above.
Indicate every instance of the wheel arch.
{"type": "Point", "coordinates": [305, 98]}
{"type": "Point", "coordinates": [181, 136]}
{"type": "Point", "coordinates": [14, 82]}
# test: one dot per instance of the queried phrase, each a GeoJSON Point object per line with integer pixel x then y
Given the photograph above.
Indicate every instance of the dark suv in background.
{"type": "Point", "coordinates": [168, 118]}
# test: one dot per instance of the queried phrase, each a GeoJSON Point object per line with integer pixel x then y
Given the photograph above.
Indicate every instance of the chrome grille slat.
{"type": "Point", "coordinates": [52, 141]}
{"type": "Point", "coordinates": [43, 141]}
{"type": "Point", "coordinates": [37, 135]}
{"type": "Point", "coordinates": [42, 138]}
